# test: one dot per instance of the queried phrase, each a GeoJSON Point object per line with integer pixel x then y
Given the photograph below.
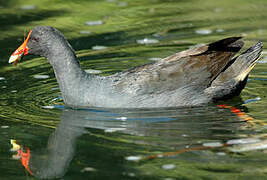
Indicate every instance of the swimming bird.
{"type": "Point", "coordinates": [192, 77]}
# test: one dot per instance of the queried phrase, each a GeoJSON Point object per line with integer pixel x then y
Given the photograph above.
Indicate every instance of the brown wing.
{"type": "Point", "coordinates": [196, 67]}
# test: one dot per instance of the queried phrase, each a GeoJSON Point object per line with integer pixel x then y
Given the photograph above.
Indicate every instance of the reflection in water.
{"type": "Point", "coordinates": [180, 130]}
{"type": "Point", "coordinates": [53, 161]}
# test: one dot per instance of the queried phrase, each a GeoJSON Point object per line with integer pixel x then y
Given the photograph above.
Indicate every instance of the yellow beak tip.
{"type": "Point", "coordinates": [13, 58]}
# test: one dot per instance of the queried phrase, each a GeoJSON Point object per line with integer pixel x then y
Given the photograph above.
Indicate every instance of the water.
{"type": "Point", "coordinates": [209, 142]}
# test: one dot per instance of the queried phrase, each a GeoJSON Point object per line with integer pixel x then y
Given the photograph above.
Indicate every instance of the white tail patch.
{"type": "Point", "coordinates": [244, 74]}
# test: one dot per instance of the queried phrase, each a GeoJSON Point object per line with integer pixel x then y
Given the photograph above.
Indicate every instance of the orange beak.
{"type": "Point", "coordinates": [22, 50]}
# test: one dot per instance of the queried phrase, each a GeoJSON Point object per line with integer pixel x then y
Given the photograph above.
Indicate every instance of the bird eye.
{"type": "Point", "coordinates": [35, 39]}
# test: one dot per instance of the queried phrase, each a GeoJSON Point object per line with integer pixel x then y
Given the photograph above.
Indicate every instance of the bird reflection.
{"type": "Point", "coordinates": [170, 127]}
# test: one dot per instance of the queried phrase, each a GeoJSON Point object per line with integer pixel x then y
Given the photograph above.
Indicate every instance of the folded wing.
{"type": "Point", "coordinates": [195, 68]}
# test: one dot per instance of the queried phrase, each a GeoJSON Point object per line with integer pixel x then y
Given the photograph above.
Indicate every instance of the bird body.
{"type": "Point", "coordinates": [193, 77]}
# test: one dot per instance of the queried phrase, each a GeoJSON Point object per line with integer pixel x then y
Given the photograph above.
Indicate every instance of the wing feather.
{"type": "Point", "coordinates": [196, 68]}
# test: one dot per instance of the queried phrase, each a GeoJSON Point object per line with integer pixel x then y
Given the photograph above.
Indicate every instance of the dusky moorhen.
{"type": "Point", "coordinates": [193, 77]}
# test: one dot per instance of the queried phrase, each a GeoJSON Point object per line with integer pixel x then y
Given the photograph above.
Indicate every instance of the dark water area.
{"type": "Point", "coordinates": [227, 140]}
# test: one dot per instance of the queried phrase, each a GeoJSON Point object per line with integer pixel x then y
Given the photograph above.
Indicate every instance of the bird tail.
{"type": "Point", "coordinates": [233, 78]}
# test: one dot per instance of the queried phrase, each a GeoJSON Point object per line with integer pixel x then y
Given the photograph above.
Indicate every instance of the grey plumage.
{"type": "Point", "coordinates": [193, 77]}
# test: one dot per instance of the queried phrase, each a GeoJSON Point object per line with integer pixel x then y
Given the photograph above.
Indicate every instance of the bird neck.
{"type": "Point", "coordinates": [65, 64]}
{"type": "Point", "coordinates": [69, 74]}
